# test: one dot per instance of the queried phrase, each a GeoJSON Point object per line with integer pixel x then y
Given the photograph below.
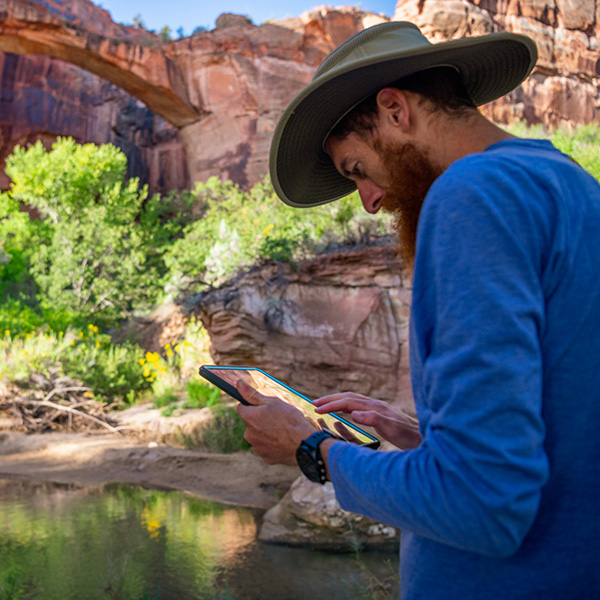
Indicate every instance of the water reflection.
{"type": "Point", "coordinates": [65, 542]}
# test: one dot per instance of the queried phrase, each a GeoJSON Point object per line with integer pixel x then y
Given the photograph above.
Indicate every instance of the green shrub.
{"type": "Point", "coordinates": [111, 371]}
{"type": "Point", "coordinates": [17, 318]}
{"type": "Point", "coordinates": [582, 143]}
{"type": "Point", "coordinates": [239, 228]}
{"type": "Point", "coordinates": [16, 236]}
{"type": "Point", "coordinates": [226, 432]}
{"type": "Point", "coordinates": [93, 253]}
{"type": "Point", "coordinates": [200, 394]}
{"type": "Point", "coordinates": [39, 352]}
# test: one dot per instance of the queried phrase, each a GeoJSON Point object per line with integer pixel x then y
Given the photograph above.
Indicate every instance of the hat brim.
{"type": "Point", "coordinates": [301, 171]}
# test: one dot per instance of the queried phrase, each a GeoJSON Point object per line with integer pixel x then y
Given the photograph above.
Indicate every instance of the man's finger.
{"type": "Point", "coordinates": [324, 400]}
{"type": "Point", "coordinates": [250, 394]}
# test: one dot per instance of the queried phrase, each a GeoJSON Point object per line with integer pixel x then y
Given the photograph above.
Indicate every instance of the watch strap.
{"type": "Point", "coordinates": [311, 446]}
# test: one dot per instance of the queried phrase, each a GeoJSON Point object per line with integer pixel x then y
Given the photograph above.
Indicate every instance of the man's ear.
{"type": "Point", "coordinates": [394, 107]}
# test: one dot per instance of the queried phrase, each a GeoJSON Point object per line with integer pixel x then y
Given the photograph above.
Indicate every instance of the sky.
{"type": "Point", "coordinates": [189, 14]}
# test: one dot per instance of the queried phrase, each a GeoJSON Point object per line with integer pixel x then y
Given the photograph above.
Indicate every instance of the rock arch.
{"type": "Point", "coordinates": [143, 71]}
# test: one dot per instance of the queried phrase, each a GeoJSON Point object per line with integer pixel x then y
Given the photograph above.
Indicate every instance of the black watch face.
{"type": "Point", "coordinates": [308, 465]}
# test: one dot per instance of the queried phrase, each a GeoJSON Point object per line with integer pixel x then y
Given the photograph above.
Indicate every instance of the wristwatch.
{"type": "Point", "coordinates": [309, 456]}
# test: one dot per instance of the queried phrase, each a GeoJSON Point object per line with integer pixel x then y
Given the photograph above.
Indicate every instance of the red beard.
{"type": "Point", "coordinates": [411, 174]}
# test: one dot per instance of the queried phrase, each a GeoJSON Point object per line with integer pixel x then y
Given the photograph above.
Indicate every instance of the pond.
{"type": "Point", "coordinates": [67, 542]}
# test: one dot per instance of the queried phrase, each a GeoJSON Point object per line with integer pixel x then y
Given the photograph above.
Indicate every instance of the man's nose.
{"type": "Point", "coordinates": [370, 195]}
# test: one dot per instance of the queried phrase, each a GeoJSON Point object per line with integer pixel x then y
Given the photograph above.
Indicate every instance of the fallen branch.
{"type": "Point", "coordinates": [66, 409]}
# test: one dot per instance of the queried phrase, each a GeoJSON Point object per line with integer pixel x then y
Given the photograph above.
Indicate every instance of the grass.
{"type": "Point", "coordinates": [225, 434]}
{"type": "Point", "coordinates": [200, 394]}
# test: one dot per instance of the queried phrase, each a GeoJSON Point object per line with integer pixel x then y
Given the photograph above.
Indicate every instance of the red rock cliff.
{"type": "Point", "coordinates": [215, 97]}
{"type": "Point", "coordinates": [339, 322]}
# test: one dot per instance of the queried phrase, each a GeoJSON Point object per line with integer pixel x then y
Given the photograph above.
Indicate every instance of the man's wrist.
{"type": "Point", "coordinates": [324, 447]}
{"type": "Point", "coordinates": [310, 458]}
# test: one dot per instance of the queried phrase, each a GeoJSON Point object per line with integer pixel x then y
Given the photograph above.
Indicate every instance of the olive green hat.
{"type": "Point", "coordinates": [302, 172]}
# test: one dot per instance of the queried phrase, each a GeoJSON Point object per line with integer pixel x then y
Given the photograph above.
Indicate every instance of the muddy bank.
{"type": "Point", "coordinates": [96, 458]}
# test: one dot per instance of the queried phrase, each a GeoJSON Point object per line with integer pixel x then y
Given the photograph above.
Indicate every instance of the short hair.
{"type": "Point", "coordinates": [440, 87]}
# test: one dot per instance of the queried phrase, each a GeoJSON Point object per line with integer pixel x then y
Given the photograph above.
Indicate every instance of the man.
{"type": "Point", "coordinates": [496, 490]}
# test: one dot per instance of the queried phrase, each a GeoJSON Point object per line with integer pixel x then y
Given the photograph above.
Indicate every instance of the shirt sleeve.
{"type": "Point", "coordinates": [477, 319]}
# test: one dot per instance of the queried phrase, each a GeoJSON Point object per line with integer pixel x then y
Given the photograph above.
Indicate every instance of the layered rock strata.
{"type": "Point", "coordinates": [43, 99]}
{"type": "Point", "coordinates": [564, 87]}
{"type": "Point", "coordinates": [336, 323]}
{"type": "Point", "coordinates": [224, 90]}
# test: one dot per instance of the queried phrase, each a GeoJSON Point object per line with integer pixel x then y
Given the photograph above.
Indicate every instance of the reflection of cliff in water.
{"type": "Point", "coordinates": [66, 542]}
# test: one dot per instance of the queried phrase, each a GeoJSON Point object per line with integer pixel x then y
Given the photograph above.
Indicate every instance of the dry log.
{"type": "Point", "coordinates": [33, 409]}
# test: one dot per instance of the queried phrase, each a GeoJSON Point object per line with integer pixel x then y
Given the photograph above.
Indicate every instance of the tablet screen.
{"type": "Point", "coordinates": [269, 386]}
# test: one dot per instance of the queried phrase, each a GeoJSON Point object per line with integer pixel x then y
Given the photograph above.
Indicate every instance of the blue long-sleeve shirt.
{"type": "Point", "coordinates": [501, 498]}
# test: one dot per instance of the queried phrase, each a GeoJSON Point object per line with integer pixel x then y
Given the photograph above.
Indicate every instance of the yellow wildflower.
{"type": "Point", "coordinates": [153, 358]}
{"type": "Point", "coordinates": [170, 352]}
{"type": "Point", "coordinates": [7, 332]}
{"type": "Point", "coordinates": [268, 229]}
{"type": "Point", "coordinates": [142, 361]}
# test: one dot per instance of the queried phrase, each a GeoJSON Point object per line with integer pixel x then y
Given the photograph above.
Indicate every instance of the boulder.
{"type": "Point", "coordinates": [309, 515]}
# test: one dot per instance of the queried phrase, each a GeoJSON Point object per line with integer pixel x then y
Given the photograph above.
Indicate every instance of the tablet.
{"type": "Point", "coordinates": [226, 378]}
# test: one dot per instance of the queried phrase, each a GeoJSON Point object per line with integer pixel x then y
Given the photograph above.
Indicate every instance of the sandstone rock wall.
{"type": "Point", "coordinates": [564, 87]}
{"type": "Point", "coordinates": [224, 90]}
{"type": "Point", "coordinates": [337, 323]}
{"type": "Point", "coordinates": [42, 99]}
{"type": "Point", "coordinates": [243, 77]}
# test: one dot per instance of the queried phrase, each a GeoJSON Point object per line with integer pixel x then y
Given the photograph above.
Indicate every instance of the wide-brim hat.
{"type": "Point", "coordinates": [301, 171]}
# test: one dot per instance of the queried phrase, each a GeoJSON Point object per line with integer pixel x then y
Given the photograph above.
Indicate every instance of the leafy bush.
{"type": "Point", "coordinates": [226, 433]}
{"type": "Point", "coordinates": [111, 371]}
{"type": "Point", "coordinates": [240, 228]}
{"type": "Point", "coordinates": [582, 144]}
{"type": "Point", "coordinates": [200, 394]}
{"type": "Point", "coordinates": [174, 375]}
{"type": "Point", "coordinates": [17, 318]}
{"type": "Point", "coordinates": [89, 254]}
{"type": "Point", "coordinates": [15, 244]}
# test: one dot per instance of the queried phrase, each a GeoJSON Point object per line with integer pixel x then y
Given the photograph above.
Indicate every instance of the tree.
{"type": "Point", "coordinates": [165, 34]}
{"type": "Point", "coordinates": [138, 22]}
{"type": "Point", "coordinates": [92, 254]}
{"type": "Point", "coordinates": [16, 234]}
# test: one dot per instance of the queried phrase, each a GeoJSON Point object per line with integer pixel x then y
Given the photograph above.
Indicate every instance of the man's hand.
{"type": "Point", "coordinates": [398, 428]}
{"type": "Point", "coordinates": [274, 427]}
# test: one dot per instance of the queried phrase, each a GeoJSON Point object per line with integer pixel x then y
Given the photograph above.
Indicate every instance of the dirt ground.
{"type": "Point", "coordinates": [95, 458]}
